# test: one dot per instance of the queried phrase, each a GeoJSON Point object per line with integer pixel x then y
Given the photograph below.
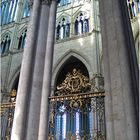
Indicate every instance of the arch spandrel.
{"type": "Point", "coordinates": [63, 61]}
{"type": "Point", "coordinates": [14, 78]}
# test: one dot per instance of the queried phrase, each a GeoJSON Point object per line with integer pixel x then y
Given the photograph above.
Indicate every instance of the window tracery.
{"type": "Point", "coordinates": [5, 44]}
{"type": "Point", "coordinates": [76, 112]}
{"type": "Point", "coordinates": [26, 11]}
{"type": "Point", "coordinates": [133, 8]}
{"type": "Point", "coordinates": [82, 23]}
{"type": "Point", "coordinates": [64, 2]}
{"type": "Point", "coordinates": [22, 38]}
{"type": "Point", "coordinates": [8, 8]}
{"type": "Point", "coordinates": [63, 29]}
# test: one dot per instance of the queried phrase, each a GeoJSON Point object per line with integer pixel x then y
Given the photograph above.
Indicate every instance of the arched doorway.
{"type": "Point", "coordinates": [76, 113]}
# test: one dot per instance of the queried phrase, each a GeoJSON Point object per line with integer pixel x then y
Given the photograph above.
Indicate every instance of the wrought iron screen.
{"type": "Point", "coordinates": [76, 113]}
{"type": "Point", "coordinates": [7, 115]}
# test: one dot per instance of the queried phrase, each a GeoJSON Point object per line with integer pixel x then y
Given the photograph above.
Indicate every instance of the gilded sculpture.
{"type": "Point", "coordinates": [74, 82]}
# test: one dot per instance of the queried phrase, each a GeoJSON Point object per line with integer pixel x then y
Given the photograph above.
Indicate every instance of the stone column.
{"type": "Point", "coordinates": [97, 76]}
{"type": "Point", "coordinates": [23, 94]}
{"type": "Point", "coordinates": [120, 72]}
{"type": "Point", "coordinates": [36, 89]}
{"type": "Point", "coordinates": [46, 88]}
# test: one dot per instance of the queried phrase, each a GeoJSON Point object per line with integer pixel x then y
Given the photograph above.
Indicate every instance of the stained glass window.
{"type": "Point", "coordinates": [22, 38]}
{"type": "Point", "coordinates": [5, 44]}
{"type": "Point", "coordinates": [26, 11]}
{"type": "Point", "coordinates": [81, 24]}
{"type": "Point", "coordinates": [64, 2]}
{"type": "Point", "coordinates": [63, 29]}
{"type": "Point", "coordinates": [8, 11]}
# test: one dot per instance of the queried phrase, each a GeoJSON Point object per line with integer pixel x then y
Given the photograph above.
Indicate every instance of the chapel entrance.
{"type": "Point", "coordinates": [76, 113]}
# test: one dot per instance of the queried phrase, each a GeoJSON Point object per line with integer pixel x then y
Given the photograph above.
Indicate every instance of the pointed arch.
{"type": "Point", "coordinates": [22, 37]}
{"type": "Point", "coordinates": [5, 43]}
{"type": "Point", "coordinates": [6, 33]}
{"type": "Point", "coordinates": [63, 15]}
{"type": "Point", "coordinates": [63, 60]}
{"type": "Point", "coordinates": [63, 27]}
{"type": "Point", "coordinates": [81, 20]}
{"type": "Point", "coordinates": [14, 78]}
{"type": "Point", "coordinates": [22, 29]}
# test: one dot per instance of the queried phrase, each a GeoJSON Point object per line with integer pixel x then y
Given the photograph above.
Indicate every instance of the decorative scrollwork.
{"type": "Point", "coordinates": [7, 114]}
{"type": "Point", "coordinates": [76, 106]}
{"type": "Point", "coordinates": [74, 82]}
{"type": "Point", "coordinates": [76, 103]}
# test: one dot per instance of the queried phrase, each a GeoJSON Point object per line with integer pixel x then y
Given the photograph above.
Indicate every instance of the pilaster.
{"type": "Point", "coordinates": [120, 72]}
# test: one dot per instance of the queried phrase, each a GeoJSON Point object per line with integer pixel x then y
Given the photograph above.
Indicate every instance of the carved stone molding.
{"type": "Point", "coordinates": [97, 82]}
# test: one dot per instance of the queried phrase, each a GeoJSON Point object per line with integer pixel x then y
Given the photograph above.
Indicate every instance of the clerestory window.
{"type": "Point", "coordinates": [22, 38]}
{"type": "Point", "coordinates": [63, 29]}
{"type": "Point", "coordinates": [26, 12]}
{"type": "Point", "coordinates": [64, 2]}
{"type": "Point", "coordinates": [8, 11]}
{"type": "Point", "coordinates": [5, 44]}
{"type": "Point", "coordinates": [81, 24]}
{"type": "Point", "coordinates": [133, 8]}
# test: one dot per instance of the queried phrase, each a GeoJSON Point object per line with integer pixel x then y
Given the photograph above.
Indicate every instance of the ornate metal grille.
{"type": "Point", "coordinates": [7, 115]}
{"type": "Point", "coordinates": [76, 112]}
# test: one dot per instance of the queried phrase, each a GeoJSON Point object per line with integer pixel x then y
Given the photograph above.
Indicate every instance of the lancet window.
{"type": "Point", "coordinates": [8, 11]}
{"type": "Point", "coordinates": [133, 8]}
{"type": "Point", "coordinates": [26, 11]}
{"type": "Point", "coordinates": [64, 2]}
{"type": "Point", "coordinates": [76, 112]}
{"type": "Point", "coordinates": [81, 24]}
{"type": "Point", "coordinates": [63, 29]}
{"type": "Point", "coordinates": [5, 44]}
{"type": "Point", "coordinates": [22, 38]}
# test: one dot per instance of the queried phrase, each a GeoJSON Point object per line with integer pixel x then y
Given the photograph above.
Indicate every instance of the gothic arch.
{"type": "Point", "coordinates": [63, 26]}
{"type": "Point", "coordinates": [22, 30]}
{"type": "Point", "coordinates": [22, 37]}
{"type": "Point", "coordinates": [5, 43]}
{"type": "Point", "coordinates": [62, 61]}
{"type": "Point", "coordinates": [64, 15]}
{"type": "Point", "coordinates": [6, 33]}
{"type": "Point", "coordinates": [76, 12]}
{"type": "Point", "coordinates": [84, 12]}
{"type": "Point", "coordinates": [14, 78]}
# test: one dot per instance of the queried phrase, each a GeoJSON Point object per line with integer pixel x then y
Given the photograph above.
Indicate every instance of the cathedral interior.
{"type": "Point", "coordinates": [54, 70]}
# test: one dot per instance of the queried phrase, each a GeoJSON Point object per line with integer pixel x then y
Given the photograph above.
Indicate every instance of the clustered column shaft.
{"type": "Point", "coordinates": [46, 89]}
{"type": "Point", "coordinates": [35, 77]}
